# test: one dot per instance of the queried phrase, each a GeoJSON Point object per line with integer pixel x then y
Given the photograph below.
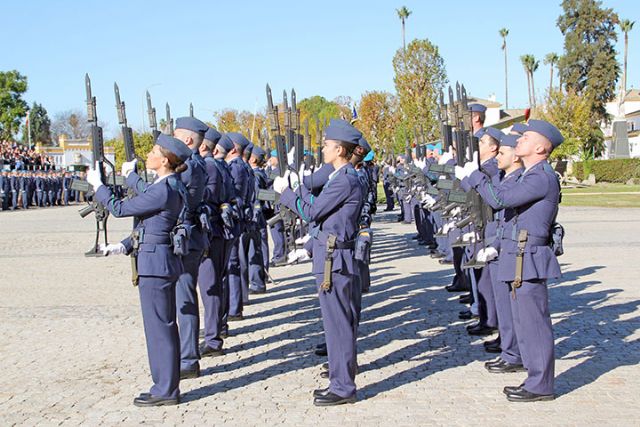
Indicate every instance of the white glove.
{"type": "Point", "coordinates": [280, 183]}
{"type": "Point", "coordinates": [302, 240]}
{"type": "Point", "coordinates": [448, 227]}
{"type": "Point", "coordinates": [407, 198]}
{"type": "Point", "coordinates": [456, 211]}
{"type": "Point", "coordinates": [487, 254]}
{"type": "Point", "coordinates": [298, 255]}
{"type": "Point", "coordinates": [428, 201]}
{"type": "Point", "coordinates": [304, 171]}
{"type": "Point", "coordinates": [460, 173]}
{"type": "Point", "coordinates": [469, 237]}
{"type": "Point", "coordinates": [93, 178]}
{"type": "Point", "coordinates": [112, 249]}
{"type": "Point", "coordinates": [471, 166]}
{"type": "Point", "coordinates": [290, 155]}
{"type": "Point", "coordinates": [392, 169]}
{"type": "Point", "coordinates": [128, 167]}
{"type": "Point", "coordinates": [420, 163]}
{"type": "Point", "coordinates": [446, 156]}
{"type": "Point", "coordinates": [294, 180]}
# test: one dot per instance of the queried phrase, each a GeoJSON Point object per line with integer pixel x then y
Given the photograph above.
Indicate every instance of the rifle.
{"type": "Point", "coordinates": [298, 140]}
{"type": "Point", "coordinates": [190, 109]}
{"type": "Point", "coordinates": [169, 126]}
{"type": "Point", "coordinates": [152, 118]}
{"type": "Point", "coordinates": [97, 158]}
{"type": "Point", "coordinates": [407, 148]}
{"type": "Point", "coordinates": [127, 136]}
{"type": "Point", "coordinates": [319, 131]}
{"type": "Point", "coordinates": [308, 157]}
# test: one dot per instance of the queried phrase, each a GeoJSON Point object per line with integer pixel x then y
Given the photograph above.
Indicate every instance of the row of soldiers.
{"type": "Point", "coordinates": [213, 238]}
{"type": "Point", "coordinates": [24, 189]}
{"type": "Point", "coordinates": [501, 237]}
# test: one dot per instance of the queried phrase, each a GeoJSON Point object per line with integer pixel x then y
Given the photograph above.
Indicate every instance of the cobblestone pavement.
{"type": "Point", "coordinates": [73, 352]}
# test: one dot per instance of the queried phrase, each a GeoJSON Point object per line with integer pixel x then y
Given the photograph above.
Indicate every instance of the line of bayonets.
{"type": "Point", "coordinates": [437, 188]}
{"type": "Point", "coordinates": [291, 139]}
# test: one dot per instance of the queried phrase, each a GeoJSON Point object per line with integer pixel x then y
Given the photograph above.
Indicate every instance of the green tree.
{"type": "Point", "coordinates": [571, 114]}
{"type": "Point", "coordinates": [551, 59]}
{"type": "Point", "coordinates": [626, 26]}
{"type": "Point", "coordinates": [40, 125]}
{"type": "Point", "coordinates": [403, 14]}
{"type": "Point", "coordinates": [318, 107]}
{"type": "Point", "coordinates": [589, 66]}
{"type": "Point", "coordinates": [420, 75]}
{"type": "Point", "coordinates": [142, 143]}
{"type": "Point", "coordinates": [530, 66]}
{"type": "Point", "coordinates": [504, 33]}
{"type": "Point", "coordinates": [12, 107]}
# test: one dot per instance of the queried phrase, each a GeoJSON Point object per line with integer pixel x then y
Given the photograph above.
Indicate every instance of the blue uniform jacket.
{"type": "Point", "coordinates": [194, 179]}
{"type": "Point", "coordinates": [158, 207]}
{"type": "Point", "coordinates": [214, 193]}
{"type": "Point", "coordinates": [534, 197]}
{"type": "Point", "coordinates": [336, 211]}
{"type": "Point", "coordinates": [318, 178]}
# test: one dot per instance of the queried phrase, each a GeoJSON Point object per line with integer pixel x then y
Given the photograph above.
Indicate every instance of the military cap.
{"type": "Point", "coordinates": [175, 146]}
{"type": "Point", "coordinates": [340, 130]}
{"type": "Point", "coordinates": [477, 108]}
{"type": "Point", "coordinates": [274, 153]}
{"type": "Point", "coordinates": [364, 144]}
{"type": "Point", "coordinates": [238, 138]}
{"type": "Point", "coordinates": [192, 124]}
{"type": "Point", "coordinates": [225, 142]}
{"type": "Point", "coordinates": [509, 141]}
{"type": "Point", "coordinates": [494, 133]}
{"type": "Point", "coordinates": [370, 155]}
{"type": "Point", "coordinates": [249, 148]}
{"type": "Point", "coordinates": [212, 135]}
{"type": "Point", "coordinates": [258, 153]}
{"type": "Point", "coordinates": [518, 128]}
{"type": "Point", "coordinates": [547, 130]}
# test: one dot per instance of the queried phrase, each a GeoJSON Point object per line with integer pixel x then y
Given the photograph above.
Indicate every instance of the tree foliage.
{"type": "Point", "coordinates": [420, 75]}
{"type": "Point", "coordinates": [12, 107]}
{"type": "Point", "coordinates": [142, 143]}
{"type": "Point", "coordinates": [571, 114]}
{"type": "Point", "coordinates": [378, 119]}
{"type": "Point", "coordinates": [72, 123]}
{"type": "Point", "coordinates": [40, 125]}
{"type": "Point", "coordinates": [589, 65]}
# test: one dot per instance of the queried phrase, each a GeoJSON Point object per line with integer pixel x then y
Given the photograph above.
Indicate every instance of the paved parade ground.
{"type": "Point", "coordinates": [73, 350]}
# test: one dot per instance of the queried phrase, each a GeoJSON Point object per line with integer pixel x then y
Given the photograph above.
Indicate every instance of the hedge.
{"type": "Point", "coordinates": [615, 170]}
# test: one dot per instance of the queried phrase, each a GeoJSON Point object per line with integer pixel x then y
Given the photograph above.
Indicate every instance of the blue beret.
{"type": "Point", "coordinates": [340, 130]}
{"type": "Point", "coordinates": [369, 156]}
{"type": "Point", "coordinates": [547, 130]}
{"type": "Point", "coordinates": [274, 153]}
{"type": "Point", "coordinates": [225, 142]}
{"type": "Point", "coordinates": [480, 133]}
{"type": "Point", "coordinates": [174, 145]}
{"type": "Point", "coordinates": [477, 108]}
{"type": "Point", "coordinates": [364, 144]}
{"type": "Point", "coordinates": [249, 148]}
{"type": "Point", "coordinates": [258, 153]}
{"type": "Point", "coordinates": [238, 138]}
{"type": "Point", "coordinates": [518, 128]}
{"type": "Point", "coordinates": [509, 141]}
{"type": "Point", "coordinates": [192, 124]}
{"type": "Point", "coordinates": [212, 135]}
{"type": "Point", "coordinates": [494, 133]}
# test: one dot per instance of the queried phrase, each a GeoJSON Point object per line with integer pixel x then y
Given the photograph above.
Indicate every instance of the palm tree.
{"type": "Point", "coordinates": [504, 33]}
{"type": "Point", "coordinates": [403, 14]}
{"type": "Point", "coordinates": [625, 26]}
{"type": "Point", "coordinates": [551, 59]}
{"type": "Point", "coordinates": [530, 66]}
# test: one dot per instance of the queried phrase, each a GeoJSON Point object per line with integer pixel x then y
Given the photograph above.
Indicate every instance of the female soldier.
{"type": "Point", "coordinates": [157, 207]}
{"type": "Point", "coordinates": [335, 211]}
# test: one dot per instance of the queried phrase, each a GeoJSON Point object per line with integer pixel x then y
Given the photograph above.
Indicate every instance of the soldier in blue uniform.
{"type": "Point", "coordinates": [526, 260]}
{"type": "Point", "coordinates": [277, 230]}
{"type": "Point", "coordinates": [335, 212]}
{"type": "Point", "coordinates": [157, 206]}
{"type": "Point", "coordinates": [244, 190]}
{"type": "Point", "coordinates": [386, 186]}
{"type": "Point", "coordinates": [5, 190]}
{"type": "Point", "coordinates": [191, 132]}
{"type": "Point", "coordinates": [66, 188]}
{"type": "Point", "coordinates": [213, 264]}
{"type": "Point", "coordinates": [258, 245]}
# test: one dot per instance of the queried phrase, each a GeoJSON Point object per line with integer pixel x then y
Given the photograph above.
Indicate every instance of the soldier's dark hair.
{"type": "Point", "coordinates": [348, 147]}
{"type": "Point", "coordinates": [175, 164]}
{"type": "Point", "coordinates": [481, 116]}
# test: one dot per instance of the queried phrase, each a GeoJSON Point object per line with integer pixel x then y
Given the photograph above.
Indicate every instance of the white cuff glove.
{"type": "Point", "coordinates": [428, 201]}
{"type": "Point", "coordinates": [456, 211]}
{"type": "Point", "coordinates": [280, 183]}
{"type": "Point", "coordinates": [112, 249]}
{"type": "Point", "coordinates": [469, 237]}
{"type": "Point", "coordinates": [448, 227]}
{"type": "Point", "coordinates": [294, 181]}
{"type": "Point", "coordinates": [420, 163]}
{"type": "Point", "coordinates": [487, 254]}
{"type": "Point", "coordinates": [446, 156]}
{"type": "Point", "coordinates": [298, 255]}
{"type": "Point", "coordinates": [93, 177]}
{"type": "Point", "coordinates": [128, 167]}
{"type": "Point", "coordinates": [302, 240]}
{"type": "Point", "coordinates": [290, 155]}
{"type": "Point", "coordinates": [460, 173]}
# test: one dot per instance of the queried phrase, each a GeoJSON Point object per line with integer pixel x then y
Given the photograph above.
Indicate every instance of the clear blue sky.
{"type": "Point", "coordinates": [220, 54]}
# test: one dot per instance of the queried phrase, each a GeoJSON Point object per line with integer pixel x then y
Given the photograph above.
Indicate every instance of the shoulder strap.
{"type": "Point", "coordinates": [179, 186]}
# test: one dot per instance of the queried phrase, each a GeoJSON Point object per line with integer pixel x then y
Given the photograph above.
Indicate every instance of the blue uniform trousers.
{"type": "Point", "coordinates": [339, 318]}
{"type": "Point", "coordinates": [210, 281]}
{"type": "Point", "coordinates": [486, 301]}
{"type": "Point", "coordinates": [532, 322]}
{"type": "Point", "coordinates": [277, 235]}
{"type": "Point", "coordinates": [251, 263]}
{"type": "Point", "coordinates": [234, 272]}
{"type": "Point", "coordinates": [388, 194]}
{"type": "Point", "coordinates": [25, 199]}
{"type": "Point", "coordinates": [158, 302]}
{"type": "Point", "coordinates": [228, 247]}
{"type": "Point", "coordinates": [264, 241]}
{"type": "Point", "coordinates": [508, 340]}
{"type": "Point", "coordinates": [188, 314]}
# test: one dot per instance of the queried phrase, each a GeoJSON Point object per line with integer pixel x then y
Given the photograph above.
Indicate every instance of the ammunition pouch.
{"type": "Point", "coordinates": [557, 235]}
{"type": "Point", "coordinates": [204, 218]}
{"type": "Point", "coordinates": [180, 238]}
{"type": "Point", "coordinates": [522, 243]}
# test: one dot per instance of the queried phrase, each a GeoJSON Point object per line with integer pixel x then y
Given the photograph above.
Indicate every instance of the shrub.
{"type": "Point", "coordinates": [615, 170]}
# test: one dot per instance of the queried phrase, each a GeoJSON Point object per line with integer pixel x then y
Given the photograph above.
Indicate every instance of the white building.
{"type": "Point", "coordinates": [73, 152]}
